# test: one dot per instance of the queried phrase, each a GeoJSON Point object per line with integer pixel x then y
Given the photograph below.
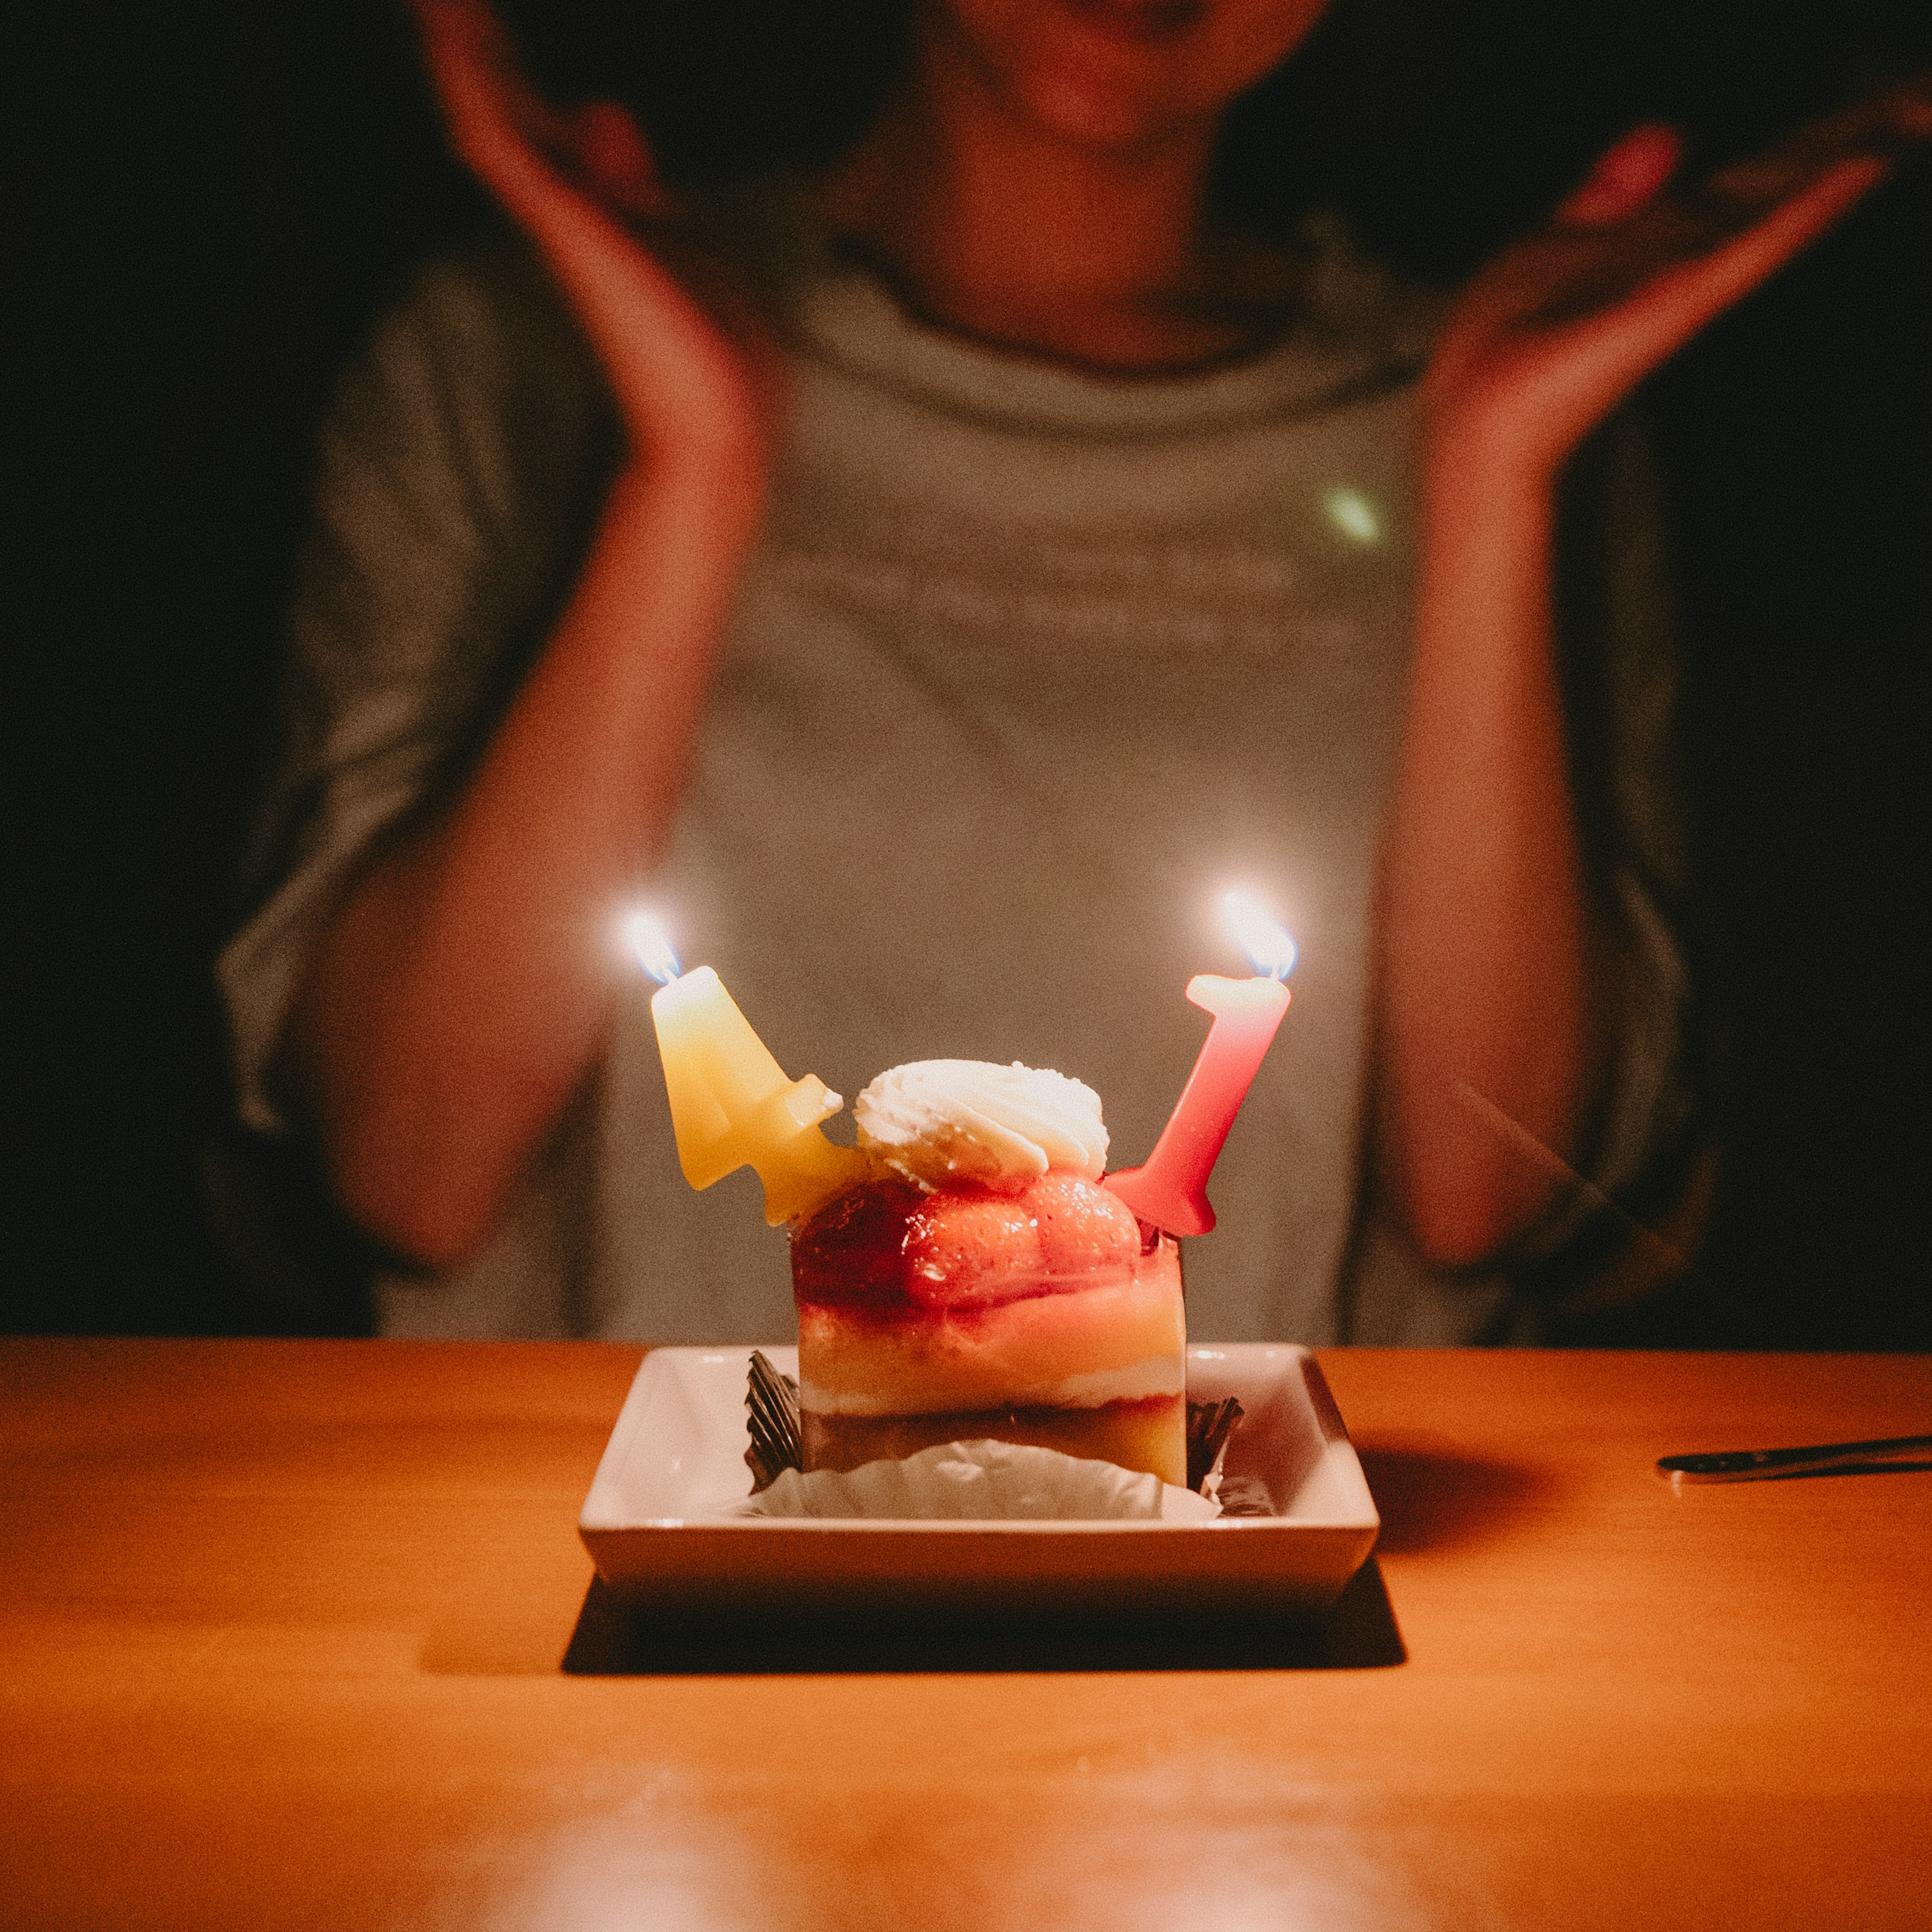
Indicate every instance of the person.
{"type": "Point", "coordinates": [929, 581]}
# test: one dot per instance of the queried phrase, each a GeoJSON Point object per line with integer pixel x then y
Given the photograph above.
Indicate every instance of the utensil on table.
{"type": "Point", "coordinates": [1817, 1459]}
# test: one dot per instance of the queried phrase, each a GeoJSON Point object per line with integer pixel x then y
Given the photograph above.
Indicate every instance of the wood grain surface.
{"type": "Point", "coordinates": [283, 1626]}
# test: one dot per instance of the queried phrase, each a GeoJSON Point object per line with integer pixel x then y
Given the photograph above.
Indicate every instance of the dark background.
{"type": "Point", "coordinates": [211, 202]}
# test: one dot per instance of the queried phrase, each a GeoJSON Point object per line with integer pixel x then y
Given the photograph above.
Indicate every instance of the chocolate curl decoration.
{"type": "Point", "coordinates": [771, 1408]}
{"type": "Point", "coordinates": [1209, 1426]}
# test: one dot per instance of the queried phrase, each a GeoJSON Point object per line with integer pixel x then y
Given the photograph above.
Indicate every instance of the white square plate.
{"type": "Point", "coordinates": [677, 1455]}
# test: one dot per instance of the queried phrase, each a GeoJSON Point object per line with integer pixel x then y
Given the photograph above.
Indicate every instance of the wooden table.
{"type": "Point", "coordinates": [281, 1626]}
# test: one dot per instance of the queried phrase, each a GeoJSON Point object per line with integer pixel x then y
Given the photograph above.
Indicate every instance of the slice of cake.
{"type": "Point", "coordinates": [985, 1284]}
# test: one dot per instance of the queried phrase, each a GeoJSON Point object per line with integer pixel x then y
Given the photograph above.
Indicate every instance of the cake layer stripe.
{"type": "Point", "coordinates": [1163, 1374]}
{"type": "Point", "coordinates": [1149, 1434]}
{"type": "Point", "coordinates": [1022, 1352]}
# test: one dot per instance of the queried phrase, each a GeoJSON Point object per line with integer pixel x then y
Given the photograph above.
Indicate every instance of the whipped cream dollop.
{"type": "Point", "coordinates": [940, 1121]}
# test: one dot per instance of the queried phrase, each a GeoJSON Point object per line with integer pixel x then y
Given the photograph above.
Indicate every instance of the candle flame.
{"type": "Point", "coordinates": [651, 944]}
{"type": "Point", "coordinates": [1267, 942]}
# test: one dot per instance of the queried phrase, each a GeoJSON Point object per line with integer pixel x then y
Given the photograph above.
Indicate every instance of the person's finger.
{"type": "Point", "coordinates": [1911, 103]}
{"type": "Point", "coordinates": [473, 63]}
{"type": "Point", "coordinates": [1800, 218]}
{"type": "Point", "coordinates": [1681, 300]}
{"type": "Point", "coordinates": [1883, 126]}
{"type": "Point", "coordinates": [1625, 176]}
{"type": "Point", "coordinates": [523, 148]}
{"type": "Point", "coordinates": [616, 161]}
{"type": "Point", "coordinates": [497, 124]}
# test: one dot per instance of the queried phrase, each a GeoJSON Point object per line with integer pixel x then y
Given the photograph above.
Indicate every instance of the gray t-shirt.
{"type": "Point", "coordinates": [1028, 666]}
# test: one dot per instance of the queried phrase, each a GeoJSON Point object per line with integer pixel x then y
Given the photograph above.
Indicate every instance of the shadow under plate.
{"type": "Point", "coordinates": [613, 1638]}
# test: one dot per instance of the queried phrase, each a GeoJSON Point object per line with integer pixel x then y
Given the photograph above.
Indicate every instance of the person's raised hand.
{"type": "Point", "coordinates": [693, 382]}
{"type": "Point", "coordinates": [1556, 331]}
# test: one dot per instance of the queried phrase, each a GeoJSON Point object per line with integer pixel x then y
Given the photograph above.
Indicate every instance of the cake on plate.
{"type": "Point", "coordinates": [980, 1282]}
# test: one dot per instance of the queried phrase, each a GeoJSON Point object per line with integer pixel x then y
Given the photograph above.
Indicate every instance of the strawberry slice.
{"type": "Point", "coordinates": [888, 1247]}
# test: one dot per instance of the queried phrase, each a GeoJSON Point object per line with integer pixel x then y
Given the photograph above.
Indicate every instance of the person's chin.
{"type": "Point", "coordinates": [1146, 22]}
{"type": "Point", "coordinates": [1119, 96]}
{"type": "Point", "coordinates": [1095, 116]}
{"type": "Point", "coordinates": [1112, 74]}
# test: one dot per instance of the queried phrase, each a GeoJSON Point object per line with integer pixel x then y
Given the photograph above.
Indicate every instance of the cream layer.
{"type": "Point", "coordinates": [1125, 1342]}
{"type": "Point", "coordinates": [1158, 1375]}
{"type": "Point", "coordinates": [1150, 1434]}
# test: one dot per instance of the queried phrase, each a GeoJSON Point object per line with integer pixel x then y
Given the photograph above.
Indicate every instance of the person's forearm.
{"type": "Point", "coordinates": [1487, 919]}
{"type": "Point", "coordinates": [464, 987]}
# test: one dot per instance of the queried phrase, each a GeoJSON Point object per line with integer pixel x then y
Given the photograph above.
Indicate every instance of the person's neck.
{"type": "Point", "coordinates": [985, 224]}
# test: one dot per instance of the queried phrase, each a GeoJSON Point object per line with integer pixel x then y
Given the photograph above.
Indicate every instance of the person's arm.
{"type": "Point", "coordinates": [461, 990]}
{"type": "Point", "coordinates": [1499, 951]}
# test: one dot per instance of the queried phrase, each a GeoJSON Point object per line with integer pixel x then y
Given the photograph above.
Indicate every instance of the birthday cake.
{"type": "Point", "coordinates": [962, 1274]}
{"type": "Point", "coordinates": [981, 1283]}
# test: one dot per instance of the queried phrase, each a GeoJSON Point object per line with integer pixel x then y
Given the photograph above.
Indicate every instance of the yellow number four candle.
{"type": "Point", "coordinates": [730, 1103]}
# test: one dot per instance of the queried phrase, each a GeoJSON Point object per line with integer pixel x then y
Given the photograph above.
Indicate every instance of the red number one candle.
{"type": "Point", "coordinates": [1170, 1191]}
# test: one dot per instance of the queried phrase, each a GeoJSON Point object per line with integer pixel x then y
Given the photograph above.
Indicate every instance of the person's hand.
{"type": "Point", "coordinates": [1555, 332]}
{"type": "Point", "coordinates": [692, 380]}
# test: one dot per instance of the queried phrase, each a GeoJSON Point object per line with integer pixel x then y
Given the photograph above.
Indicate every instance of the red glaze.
{"type": "Point", "coordinates": [888, 1247]}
